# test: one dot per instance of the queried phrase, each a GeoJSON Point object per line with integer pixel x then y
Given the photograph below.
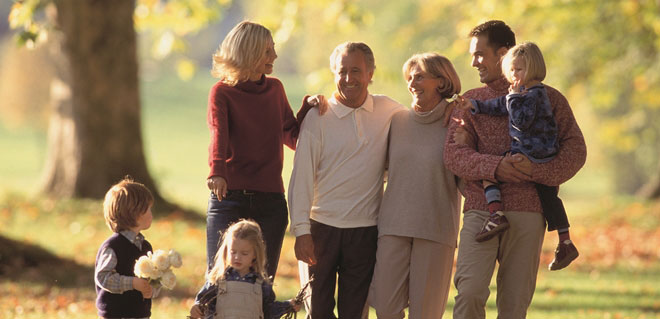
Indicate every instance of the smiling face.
{"type": "Point", "coordinates": [423, 88]}
{"type": "Point", "coordinates": [265, 64]}
{"type": "Point", "coordinates": [352, 77]}
{"type": "Point", "coordinates": [241, 255]}
{"type": "Point", "coordinates": [486, 59]}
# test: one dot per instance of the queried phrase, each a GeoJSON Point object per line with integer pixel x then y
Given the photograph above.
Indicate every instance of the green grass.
{"type": "Point", "coordinates": [621, 283]}
{"type": "Point", "coordinates": [73, 229]}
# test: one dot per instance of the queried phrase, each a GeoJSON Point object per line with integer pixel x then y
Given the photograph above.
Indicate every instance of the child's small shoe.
{"type": "Point", "coordinates": [565, 253]}
{"type": "Point", "coordinates": [494, 225]}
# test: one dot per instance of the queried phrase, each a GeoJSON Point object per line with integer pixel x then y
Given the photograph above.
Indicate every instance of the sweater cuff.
{"type": "Point", "coordinates": [126, 283]}
{"type": "Point", "coordinates": [218, 168]}
{"type": "Point", "coordinates": [301, 229]}
{"type": "Point", "coordinates": [475, 107]}
{"type": "Point", "coordinates": [490, 167]}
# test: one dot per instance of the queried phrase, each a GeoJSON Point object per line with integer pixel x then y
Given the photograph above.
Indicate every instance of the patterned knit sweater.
{"type": "Point", "coordinates": [492, 139]}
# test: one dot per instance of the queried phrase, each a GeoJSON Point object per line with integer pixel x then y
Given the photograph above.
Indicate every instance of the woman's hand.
{"type": "Point", "coordinates": [455, 101]}
{"type": "Point", "coordinates": [218, 186]}
{"type": "Point", "coordinates": [318, 101]}
{"type": "Point", "coordinates": [461, 136]}
{"type": "Point", "coordinates": [463, 103]}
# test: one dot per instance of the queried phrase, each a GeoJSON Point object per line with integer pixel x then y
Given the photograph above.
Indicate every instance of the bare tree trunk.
{"type": "Point", "coordinates": [95, 135]}
{"type": "Point", "coordinates": [651, 190]}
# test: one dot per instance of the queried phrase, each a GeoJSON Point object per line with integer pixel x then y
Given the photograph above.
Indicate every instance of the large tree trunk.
{"type": "Point", "coordinates": [651, 190]}
{"type": "Point", "coordinates": [94, 138]}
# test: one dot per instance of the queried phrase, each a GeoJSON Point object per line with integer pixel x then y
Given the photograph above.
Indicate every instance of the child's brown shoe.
{"type": "Point", "coordinates": [565, 253]}
{"type": "Point", "coordinates": [494, 225]}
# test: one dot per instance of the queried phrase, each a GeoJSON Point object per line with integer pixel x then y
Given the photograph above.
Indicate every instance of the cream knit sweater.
{"type": "Point", "coordinates": [421, 199]}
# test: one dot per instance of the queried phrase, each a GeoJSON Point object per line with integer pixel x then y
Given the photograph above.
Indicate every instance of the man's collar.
{"type": "Point", "coordinates": [342, 110]}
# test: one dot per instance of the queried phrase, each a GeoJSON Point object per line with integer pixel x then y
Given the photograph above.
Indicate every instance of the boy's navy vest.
{"type": "Point", "coordinates": [130, 304]}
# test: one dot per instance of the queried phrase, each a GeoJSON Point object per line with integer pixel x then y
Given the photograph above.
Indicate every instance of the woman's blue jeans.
{"type": "Point", "coordinates": [269, 210]}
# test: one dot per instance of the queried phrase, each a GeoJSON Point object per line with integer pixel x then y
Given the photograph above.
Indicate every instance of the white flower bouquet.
{"type": "Point", "coordinates": [157, 268]}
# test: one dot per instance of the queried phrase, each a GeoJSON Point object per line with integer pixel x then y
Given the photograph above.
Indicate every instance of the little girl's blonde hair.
{"type": "Point", "coordinates": [246, 230]}
{"type": "Point", "coordinates": [240, 52]}
{"type": "Point", "coordinates": [534, 62]}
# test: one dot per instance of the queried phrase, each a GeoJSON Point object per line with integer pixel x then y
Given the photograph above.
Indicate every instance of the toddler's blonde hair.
{"type": "Point", "coordinates": [534, 62]}
{"type": "Point", "coordinates": [247, 230]}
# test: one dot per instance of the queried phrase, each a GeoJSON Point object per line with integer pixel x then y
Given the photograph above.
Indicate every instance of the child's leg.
{"type": "Point", "coordinates": [553, 209]}
{"type": "Point", "coordinates": [493, 196]}
{"type": "Point", "coordinates": [496, 222]}
{"type": "Point", "coordinates": [555, 215]}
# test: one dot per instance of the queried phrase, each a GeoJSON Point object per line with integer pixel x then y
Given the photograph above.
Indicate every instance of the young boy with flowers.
{"type": "Point", "coordinates": [120, 294]}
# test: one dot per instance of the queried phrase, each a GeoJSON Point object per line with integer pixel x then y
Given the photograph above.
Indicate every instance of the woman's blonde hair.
{"type": "Point", "coordinates": [240, 51]}
{"type": "Point", "coordinates": [534, 62]}
{"type": "Point", "coordinates": [437, 66]}
{"type": "Point", "coordinates": [124, 203]}
{"type": "Point", "coordinates": [246, 230]}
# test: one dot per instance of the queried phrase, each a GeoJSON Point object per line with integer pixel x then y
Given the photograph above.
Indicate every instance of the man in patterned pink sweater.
{"type": "Point", "coordinates": [518, 249]}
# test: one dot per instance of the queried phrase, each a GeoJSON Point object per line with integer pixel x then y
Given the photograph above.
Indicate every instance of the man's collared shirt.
{"type": "Point", "coordinates": [339, 165]}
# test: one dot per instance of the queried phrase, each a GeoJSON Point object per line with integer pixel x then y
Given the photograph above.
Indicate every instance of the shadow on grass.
{"type": "Point", "coordinates": [27, 263]}
{"type": "Point", "coordinates": [20, 261]}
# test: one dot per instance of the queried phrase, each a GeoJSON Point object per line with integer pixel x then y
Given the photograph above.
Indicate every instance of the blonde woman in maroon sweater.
{"type": "Point", "coordinates": [250, 120]}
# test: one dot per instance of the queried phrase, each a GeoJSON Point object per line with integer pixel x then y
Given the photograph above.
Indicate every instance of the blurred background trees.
{"type": "Point", "coordinates": [603, 55]}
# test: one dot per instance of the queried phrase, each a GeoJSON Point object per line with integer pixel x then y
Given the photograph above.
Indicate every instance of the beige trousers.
{"type": "Point", "coordinates": [517, 250]}
{"type": "Point", "coordinates": [411, 272]}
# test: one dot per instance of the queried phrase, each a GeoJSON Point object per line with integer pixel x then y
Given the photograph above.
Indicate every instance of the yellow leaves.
{"type": "Point", "coordinates": [287, 26]}
{"type": "Point", "coordinates": [641, 83]}
{"type": "Point", "coordinates": [21, 13]}
{"type": "Point", "coordinates": [163, 45]}
{"type": "Point", "coordinates": [141, 12]}
{"type": "Point", "coordinates": [185, 69]}
{"type": "Point", "coordinates": [629, 8]}
{"type": "Point", "coordinates": [21, 16]}
{"type": "Point", "coordinates": [615, 133]}
{"type": "Point", "coordinates": [429, 10]}
{"type": "Point", "coordinates": [180, 16]}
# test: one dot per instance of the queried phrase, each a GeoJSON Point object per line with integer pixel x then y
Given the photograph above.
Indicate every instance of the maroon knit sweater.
{"type": "Point", "coordinates": [249, 125]}
{"type": "Point", "coordinates": [493, 140]}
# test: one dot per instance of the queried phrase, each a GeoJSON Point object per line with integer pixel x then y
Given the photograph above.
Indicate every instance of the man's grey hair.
{"type": "Point", "coordinates": [348, 47]}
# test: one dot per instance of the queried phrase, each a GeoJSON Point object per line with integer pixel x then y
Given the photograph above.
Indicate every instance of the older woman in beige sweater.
{"type": "Point", "coordinates": [419, 213]}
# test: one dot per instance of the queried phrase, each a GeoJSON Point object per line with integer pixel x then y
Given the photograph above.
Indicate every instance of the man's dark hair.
{"type": "Point", "coordinates": [498, 33]}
